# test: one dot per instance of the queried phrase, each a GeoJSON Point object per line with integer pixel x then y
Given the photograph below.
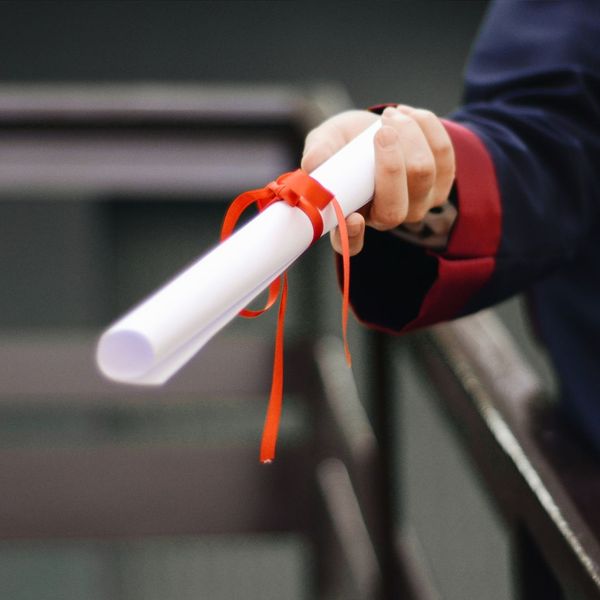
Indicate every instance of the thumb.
{"type": "Point", "coordinates": [355, 223]}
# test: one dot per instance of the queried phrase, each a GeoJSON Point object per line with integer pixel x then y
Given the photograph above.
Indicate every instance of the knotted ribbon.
{"type": "Point", "coordinates": [300, 190]}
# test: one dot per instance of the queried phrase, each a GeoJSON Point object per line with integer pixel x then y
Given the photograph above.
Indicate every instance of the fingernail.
{"type": "Point", "coordinates": [389, 111]}
{"type": "Point", "coordinates": [387, 137]}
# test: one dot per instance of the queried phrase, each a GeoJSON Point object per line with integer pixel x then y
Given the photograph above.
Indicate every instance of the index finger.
{"type": "Point", "coordinates": [334, 133]}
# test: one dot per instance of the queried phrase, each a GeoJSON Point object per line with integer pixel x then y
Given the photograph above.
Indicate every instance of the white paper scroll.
{"type": "Point", "coordinates": [154, 340]}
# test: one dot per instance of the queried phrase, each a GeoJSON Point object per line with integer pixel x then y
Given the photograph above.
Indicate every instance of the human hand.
{"type": "Point", "coordinates": [414, 166]}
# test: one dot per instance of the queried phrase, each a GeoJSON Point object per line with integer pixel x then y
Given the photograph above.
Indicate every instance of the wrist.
{"type": "Point", "coordinates": [433, 231]}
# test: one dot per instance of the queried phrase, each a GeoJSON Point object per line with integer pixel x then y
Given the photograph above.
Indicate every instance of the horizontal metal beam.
{"type": "Point", "coordinates": [150, 490]}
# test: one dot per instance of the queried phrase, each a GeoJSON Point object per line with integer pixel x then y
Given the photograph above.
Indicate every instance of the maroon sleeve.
{"type": "Point", "coordinates": [397, 286]}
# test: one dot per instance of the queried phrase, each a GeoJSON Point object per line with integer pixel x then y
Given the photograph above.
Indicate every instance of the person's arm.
{"type": "Point", "coordinates": [527, 154]}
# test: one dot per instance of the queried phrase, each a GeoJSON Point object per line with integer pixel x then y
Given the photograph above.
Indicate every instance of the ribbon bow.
{"type": "Point", "coordinates": [300, 190]}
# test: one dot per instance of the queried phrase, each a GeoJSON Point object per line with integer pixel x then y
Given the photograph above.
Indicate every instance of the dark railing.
{"type": "Point", "coordinates": [541, 477]}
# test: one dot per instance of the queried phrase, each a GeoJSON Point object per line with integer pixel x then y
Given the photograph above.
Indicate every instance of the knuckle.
{"type": "Point", "coordinates": [318, 138]}
{"type": "Point", "coordinates": [389, 217]}
{"type": "Point", "coordinates": [404, 120]}
{"type": "Point", "coordinates": [310, 137]}
{"type": "Point", "coordinates": [418, 212]}
{"type": "Point", "coordinates": [421, 169]}
{"type": "Point", "coordinates": [424, 114]}
{"type": "Point", "coordinates": [316, 154]}
{"type": "Point", "coordinates": [394, 168]}
{"type": "Point", "coordinates": [398, 118]}
{"type": "Point", "coordinates": [441, 148]}
{"type": "Point", "coordinates": [439, 200]}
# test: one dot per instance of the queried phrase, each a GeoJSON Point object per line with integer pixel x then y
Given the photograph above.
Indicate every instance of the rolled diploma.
{"type": "Point", "coordinates": [155, 339]}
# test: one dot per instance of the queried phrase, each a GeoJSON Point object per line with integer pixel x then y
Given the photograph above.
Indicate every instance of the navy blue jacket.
{"type": "Point", "coordinates": [527, 144]}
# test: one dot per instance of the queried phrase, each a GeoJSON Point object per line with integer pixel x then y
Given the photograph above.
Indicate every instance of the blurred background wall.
{"type": "Point", "coordinates": [412, 52]}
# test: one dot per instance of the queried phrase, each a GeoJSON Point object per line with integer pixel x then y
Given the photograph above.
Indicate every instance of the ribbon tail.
{"type": "Point", "coordinates": [273, 417]}
{"type": "Point", "coordinates": [346, 284]}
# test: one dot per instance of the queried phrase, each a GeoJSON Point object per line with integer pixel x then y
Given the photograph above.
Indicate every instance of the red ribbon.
{"type": "Point", "coordinates": [300, 190]}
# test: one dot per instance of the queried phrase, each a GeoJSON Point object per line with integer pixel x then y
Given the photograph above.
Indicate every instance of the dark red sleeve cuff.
{"type": "Point", "coordinates": [470, 257]}
{"type": "Point", "coordinates": [435, 286]}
